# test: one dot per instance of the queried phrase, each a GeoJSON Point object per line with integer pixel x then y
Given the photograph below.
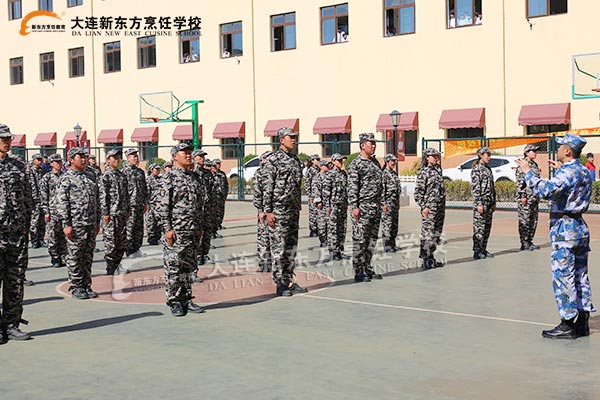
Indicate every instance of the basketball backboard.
{"type": "Point", "coordinates": [586, 76]}
{"type": "Point", "coordinates": [158, 107]}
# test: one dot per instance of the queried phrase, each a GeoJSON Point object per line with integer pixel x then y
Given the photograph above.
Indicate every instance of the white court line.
{"type": "Point", "coordinates": [427, 310]}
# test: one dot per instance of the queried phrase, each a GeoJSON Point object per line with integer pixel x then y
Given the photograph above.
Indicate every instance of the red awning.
{"type": "Point", "coordinates": [463, 118]}
{"type": "Point", "coordinates": [110, 136]}
{"type": "Point", "coordinates": [71, 136]}
{"type": "Point", "coordinates": [147, 134]}
{"type": "Point", "coordinates": [275, 124]}
{"type": "Point", "coordinates": [19, 141]}
{"type": "Point", "coordinates": [329, 125]}
{"type": "Point", "coordinates": [45, 139]}
{"type": "Point", "coordinates": [409, 121]}
{"type": "Point", "coordinates": [184, 132]}
{"type": "Point", "coordinates": [230, 130]}
{"type": "Point", "coordinates": [545, 114]}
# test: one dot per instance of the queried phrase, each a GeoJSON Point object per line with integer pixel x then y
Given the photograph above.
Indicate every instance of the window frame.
{"type": "Point", "coordinates": [399, 7]}
{"type": "Point", "coordinates": [547, 10]}
{"type": "Point", "coordinates": [12, 9]}
{"type": "Point", "coordinates": [231, 33]}
{"type": "Point", "coordinates": [148, 151]}
{"type": "Point", "coordinates": [468, 135]}
{"type": "Point", "coordinates": [283, 26]}
{"type": "Point", "coordinates": [335, 17]}
{"type": "Point", "coordinates": [182, 40]}
{"type": "Point", "coordinates": [148, 47]}
{"type": "Point", "coordinates": [47, 3]}
{"type": "Point", "coordinates": [226, 147]}
{"type": "Point", "coordinates": [114, 52]}
{"type": "Point", "coordinates": [77, 3]}
{"type": "Point", "coordinates": [344, 148]}
{"type": "Point", "coordinates": [50, 67]}
{"type": "Point", "coordinates": [80, 63]}
{"type": "Point", "coordinates": [20, 70]}
{"type": "Point", "coordinates": [473, 14]}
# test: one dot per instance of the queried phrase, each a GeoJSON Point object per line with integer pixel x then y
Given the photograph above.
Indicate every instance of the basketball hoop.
{"type": "Point", "coordinates": [153, 119]}
{"type": "Point", "coordinates": [597, 90]}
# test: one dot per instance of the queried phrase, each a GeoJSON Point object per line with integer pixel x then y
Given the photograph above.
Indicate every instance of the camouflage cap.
{"type": "Point", "coordinates": [77, 150]}
{"type": "Point", "coordinates": [315, 157]}
{"type": "Point", "coordinates": [483, 150]}
{"type": "Point", "coordinates": [217, 161]}
{"type": "Point", "coordinates": [575, 142]}
{"type": "Point", "coordinates": [337, 157]}
{"type": "Point", "coordinates": [366, 137]}
{"type": "Point", "coordinates": [131, 151]}
{"type": "Point", "coordinates": [324, 163]}
{"type": "Point", "coordinates": [37, 156]}
{"type": "Point", "coordinates": [5, 131]}
{"type": "Point", "coordinates": [181, 147]}
{"type": "Point", "coordinates": [114, 153]}
{"type": "Point", "coordinates": [209, 163]}
{"type": "Point", "coordinates": [390, 157]}
{"type": "Point", "coordinates": [531, 147]}
{"type": "Point", "coordinates": [282, 132]}
{"type": "Point", "coordinates": [153, 166]}
{"type": "Point", "coordinates": [431, 152]}
{"type": "Point", "coordinates": [92, 157]}
{"type": "Point", "coordinates": [266, 154]}
{"type": "Point", "coordinates": [199, 153]}
{"type": "Point", "coordinates": [55, 157]}
{"type": "Point", "coordinates": [168, 164]}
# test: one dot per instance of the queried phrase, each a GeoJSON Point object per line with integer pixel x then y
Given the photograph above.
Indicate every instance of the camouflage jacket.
{"type": "Point", "coordinates": [364, 183]}
{"type": "Point", "coordinates": [317, 187]}
{"type": "Point", "coordinates": [391, 188]}
{"type": "Point", "coordinates": [430, 191]}
{"type": "Point", "coordinates": [181, 201]}
{"type": "Point", "coordinates": [48, 187]}
{"type": "Point", "coordinates": [311, 172]}
{"type": "Point", "coordinates": [77, 200]}
{"type": "Point", "coordinates": [207, 180]}
{"type": "Point", "coordinates": [15, 196]}
{"type": "Point", "coordinates": [482, 185]}
{"type": "Point", "coordinates": [153, 184]}
{"type": "Point", "coordinates": [221, 185]}
{"type": "Point", "coordinates": [35, 178]}
{"type": "Point", "coordinates": [136, 182]}
{"type": "Point", "coordinates": [93, 172]}
{"type": "Point", "coordinates": [259, 185]}
{"type": "Point", "coordinates": [283, 176]}
{"type": "Point", "coordinates": [524, 191]}
{"type": "Point", "coordinates": [114, 193]}
{"type": "Point", "coordinates": [335, 189]}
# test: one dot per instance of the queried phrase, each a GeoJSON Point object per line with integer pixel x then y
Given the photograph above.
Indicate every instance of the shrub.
{"type": "Point", "coordinates": [595, 192]}
{"type": "Point", "coordinates": [303, 157]}
{"type": "Point", "coordinates": [248, 157]}
{"type": "Point", "coordinates": [349, 159]}
{"type": "Point", "coordinates": [159, 161]}
{"type": "Point", "coordinates": [458, 190]}
{"type": "Point", "coordinates": [505, 190]}
{"type": "Point", "coordinates": [413, 169]}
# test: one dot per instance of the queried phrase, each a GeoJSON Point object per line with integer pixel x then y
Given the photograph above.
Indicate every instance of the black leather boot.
{"type": "Point", "coordinates": [564, 330]}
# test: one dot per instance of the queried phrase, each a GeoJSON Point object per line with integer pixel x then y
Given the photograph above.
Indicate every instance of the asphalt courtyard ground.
{"type": "Point", "coordinates": [470, 330]}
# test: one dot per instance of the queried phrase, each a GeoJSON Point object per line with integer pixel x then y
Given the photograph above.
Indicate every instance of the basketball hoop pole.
{"type": "Point", "coordinates": [194, 105]}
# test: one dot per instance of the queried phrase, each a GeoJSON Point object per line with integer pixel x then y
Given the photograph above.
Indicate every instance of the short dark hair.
{"type": "Point", "coordinates": [588, 155]}
{"type": "Point", "coordinates": [576, 153]}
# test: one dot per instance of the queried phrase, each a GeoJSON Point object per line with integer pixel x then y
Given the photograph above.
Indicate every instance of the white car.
{"type": "Point", "coordinates": [250, 168]}
{"type": "Point", "coordinates": [503, 168]}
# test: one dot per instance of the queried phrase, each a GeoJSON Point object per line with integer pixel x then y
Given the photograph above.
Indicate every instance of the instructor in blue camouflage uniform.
{"type": "Point", "coordinates": [569, 192]}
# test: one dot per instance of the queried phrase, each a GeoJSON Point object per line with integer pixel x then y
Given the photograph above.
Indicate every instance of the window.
{"type": "Point", "coordinates": [334, 24]}
{"type": "Point", "coordinates": [76, 62]}
{"type": "Point", "coordinates": [274, 143]}
{"type": "Point", "coordinates": [231, 39]}
{"type": "Point", "coordinates": [468, 164]}
{"type": "Point", "coordinates": [464, 133]}
{"type": "Point", "coordinates": [537, 129]}
{"type": "Point", "coordinates": [45, 5]}
{"type": "Point", "coordinates": [112, 57]}
{"type": "Point", "coordinates": [73, 3]}
{"type": "Point", "coordinates": [110, 146]}
{"type": "Point", "coordinates": [147, 52]}
{"type": "Point", "coordinates": [47, 150]}
{"type": "Point", "coordinates": [408, 137]}
{"type": "Point", "coordinates": [47, 66]}
{"type": "Point", "coordinates": [283, 32]}
{"type": "Point", "coordinates": [255, 162]}
{"type": "Point", "coordinates": [540, 8]}
{"type": "Point", "coordinates": [189, 46]}
{"type": "Point", "coordinates": [497, 162]}
{"type": "Point", "coordinates": [16, 71]}
{"type": "Point", "coordinates": [148, 151]}
{"type": "Point", "coordinates": [464, 13]}
{"type": "Point", "coordinates": [332, 144]}
{"type": "Point", "coordinates": [230, 148]}
{"type": "Point", "coordinates": [399, 17]}
{"type": "Point", "coordinates": [14, 10]}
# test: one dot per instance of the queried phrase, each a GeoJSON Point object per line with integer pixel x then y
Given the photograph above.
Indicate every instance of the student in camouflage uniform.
{"type": "Point", "coordinates": [335, 195]}
{"type": "Point", "coordinates": [15, 209]}
{"type": "Point", "coordinates": [114, 206]}
{"type": "Point", "coordinates": [93, 169]}
{"type": "Point", "coordinates": [527, 201]}
{"type": "Point", "coordinates": [57, 244]}
{"type": "Point", "coordinates": [153, 182]}
{"type": "Point", "coordinates": [37, 225]}
{"type": "Point", "coordinates": [364, 197]}
{"type": "Point", "coordinates": [282, 203]}
{"type": "Point", "coordinates": [181, 205]}
{"type": "Point", "coordinates": [206, 181]}
{"type": "Point", "coordinates": [223, 186]}
{"type": "Point", "coordinates": [484, 203]}
{"type": "Point", "coordinates": [263, 241]}
{"type": "Point", "coordinates": [569, 192]}
{"type": "Point", "coordinates": [319, 201]}
{"type": "Point", "coordinates": [138, 202]}
{"type": "Point", "coordinates": [311, 172]}
{"type": "Point", "coordinates": [79, 212]}
{"type": "Point", "coordinates": [391, 203]}
{"type": "Point", "coordinates": [430, 196]}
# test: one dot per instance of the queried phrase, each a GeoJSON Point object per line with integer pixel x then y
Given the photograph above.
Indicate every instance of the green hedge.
{"type": "Point", "coordinates": [461, 191]}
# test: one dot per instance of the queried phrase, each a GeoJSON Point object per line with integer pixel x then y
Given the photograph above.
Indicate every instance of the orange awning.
{"type": "Point", "coordinates": [45, 139]}
{"type": "Point", "coordinates": [333, 125]}
{"type": "Point", "coordinates": [110, 136]}
{"type": "Point", "coordinates": [275, 124]}
{"type": "Point", "coordinates": [409, 121]}
{"type": "Point", "coordinates": [146, 134]}
{"type": "Point", "coordinates": [71, 136]}
{"type": "Point", "coordinates": [545, 114]}
{"type": "Point", "coordinates": [184, 132]}
{"type": "Point", "coordinates": [19, 141]}
{"type": "Point", "coordinates": [230, 130]}
{"type": "Point", "coordinates": [463, 118]}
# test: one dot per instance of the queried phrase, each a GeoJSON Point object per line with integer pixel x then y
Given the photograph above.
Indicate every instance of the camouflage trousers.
{"type": "Point", "coordinates": [115, 240]}
{"type": "Point", "coordinates": [336, 227]}
{"type": "Point", "coordinates": [13, 263]}
{"type": "Point", "coordinates": [312, 217]}
{"type": "Point", "coordinates": [389, 226]}
{"type": "Point", "coordinates": [80, 255]}
{"type": "Point", "coordinates": [263, 245]}
{"type": "Point", "coordinates": [570, 281]}
{"type": "Point", "coordinates": [431, 231]}
{"type": "Point", "coordinates": [528, 219]}
{"type": "Point", "coordinates": [364, 238]}
{"type": "Point", "coordinates": [219, 215]}
{"type": "Point", "coordinates": [322, 224]}
{"type": "Point", "coordinates": [482, 226]}
{"type": "Point", "coordinates": [135, 230]}
{"type": "Point", "coordinates": [153, 226]}
{"type": "Point", "coordinates": [37, 227]}
{"type": "Point", "coordinates": [180, 266]}
{"type": "Point", "coordinates": [57, 243]}
{"type": "Point", "coordinates": [208, 228]}
{"type": "Point", "coordinates": [284, 244]}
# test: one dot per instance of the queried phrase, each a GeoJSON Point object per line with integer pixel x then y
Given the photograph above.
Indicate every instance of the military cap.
{"type": "Point", "coordinates": [575, 142]}
{"type": "Point", "coordinates": [37, 156]}
{"type": "Point", "coordinates": [77, 150]}
{"type": "Point", "coordinates": [282, 132]}
{"type": "Point", "coordinates": [92, 156]}
{"type": "Point", "coordinates": [431, 152]}
{"type": "Point", "coordinates": [55, 157]}
{"type": "Point", "coordinates": [199, 153]}
{"type": "Point", "coordinates": [390, 157]}
{"type": "Point", "coordinates": [168, 164]}
{"type": "Point", "coordinates": [337, 157]}
{"type": "Point", "coordinates": [266, 154]}
{"type": "Point", "coordinates": [366, 137]}
{"type": "Point", "coordinates": [209, 163]}
{"type": "Point", "coordinates": [5, 131]}
{"type": "Point", "coordinates": [315, 157]}
{"type": "Point", "coordinates": [483, 150]}
{"type": "Point", "coordinates": [153, 166]}
{"type": "Point", "coordinates": [531, 147]}
{"type": "Point", "coordinates": [217, 161]}
{"type": "Point", "coordinates": [113, 153]}
{"type": "Point", "coordinates": [67, 164]}
{"type": "Point", "coordinates": [323, 163]}
{"type": "Point", "coordinates": [131, 151]}
{"type": "Point", "coordinates": [181, 147]}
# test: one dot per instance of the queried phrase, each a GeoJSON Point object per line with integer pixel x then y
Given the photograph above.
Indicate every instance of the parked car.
{"type": "Point", "coordinates": [503, 168]}
{"type": "Point", "coordinates": [250, 168]}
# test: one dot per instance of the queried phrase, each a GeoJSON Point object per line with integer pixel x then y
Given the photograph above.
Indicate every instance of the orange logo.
{"type": "Point", "coordinates": [33, 14]}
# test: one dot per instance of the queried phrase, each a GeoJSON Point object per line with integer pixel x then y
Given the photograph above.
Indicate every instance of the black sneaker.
{"type": "Point", "coordinates": [564, 330]}
{"type": "Point", "coordinates": [80, 294]}
{"type": "Point", "coordinates": [439, 264]}
{"type": "Point", "coordinates": [201, 260]}
{"type": "Point", "coordinates": [489, 255]}
{"type": "Point", "coordinates": [56, 263]}
{"type": "Point", "coordinates": [28, 282]}
{"type": "Point", "coordinates": [428, 263]}
{"type": "Point", "coordinates": [194, 308]}
{"type": "Point", "coordinates": [197, 279]}
{"type": "Point", "coordinates": [533, 247]}
{"type": "Point", "coordinates": [478, 256]}
{"type": "Point", "coordinates": [14, 333]}
{"type": "Point", "coordinates": [373, 275]}
{"type": "Point", "coordinates": [525, 246]}
{"type": "Point", "coordinates": [91, 294]}
{"type": "Point", "coordinates": [284, 290]}
{"type": "Point", "coordinates": [297, 289]}
{"type": "Point", "coordinates": [35, 245]}
{"type": "Point", "coordinates": [582, 327]}
{"type": "Point", "coordinates": [177, 310]}
{"type": "Point", "coordinates": [3, 336]}
{"type": "Point", "coordinates": [359, 278]}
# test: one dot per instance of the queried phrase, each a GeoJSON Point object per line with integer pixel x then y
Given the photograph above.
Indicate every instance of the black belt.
{"type": "Point", "coordinates": [560, 215]}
